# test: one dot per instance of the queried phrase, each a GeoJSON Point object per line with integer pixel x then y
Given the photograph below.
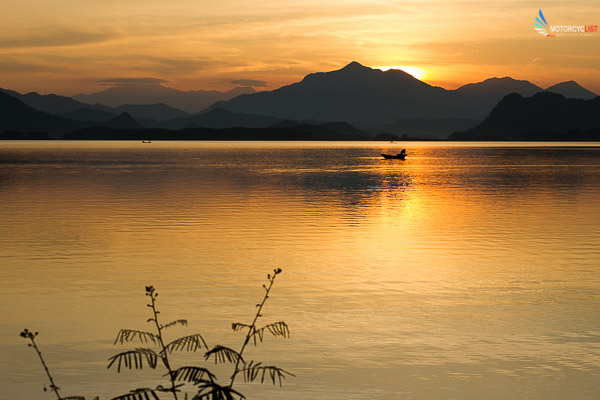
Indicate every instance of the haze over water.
{"type": "Point", "coordinates": [469, 271]}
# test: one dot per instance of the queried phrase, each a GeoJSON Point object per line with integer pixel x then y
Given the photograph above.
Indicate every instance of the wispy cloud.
{"type": "Point", "coordinates": [52, 37]}
{"type": "Point", "coordinates": [132, 81]}
{"type": "Point", "coordinates": [250, 82]}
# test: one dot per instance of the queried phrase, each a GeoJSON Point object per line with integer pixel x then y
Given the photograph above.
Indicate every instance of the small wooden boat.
{"type": "Point", "coordinates": [399, 156]}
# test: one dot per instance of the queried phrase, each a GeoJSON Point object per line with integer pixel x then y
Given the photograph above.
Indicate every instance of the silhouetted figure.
{"type": "Point", "coordinates": [402, 153]}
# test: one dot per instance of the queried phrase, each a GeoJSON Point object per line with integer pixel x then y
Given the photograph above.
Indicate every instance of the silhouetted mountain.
{"type": "Point", "coordinates": [124, 121]}
{"type": "Point", "coordinates": [572, 89]}
{"type": "Point", "coordinates": [158, 112]}
{"type": "Point", "coordinates": [221, 118]}
{"type": "Point", "coordinates": [88, 114]}
{"type": "Point", "coordinates": [154, 92]}
{"type": "Point", "coordinates": [359, 94]}
{"type": "Point", "coordinates": [545, 116]}
{"type": "Point", "coordinates": [422, 128]}
{"type": "Point", "coordinates": [305, 132]}
{"type": "Point", "coordinates": [499, 87]}
{"type": "Point", "coordinates": [341, 127]}
{"type": "Point", "coordinates": [483, 96]}
{"type": "Point", "coordinates": [17, 116]}
{"type": "Point", "coordinates": [353, 93]}
{"type": "Point", "coordinates": [50, 103]}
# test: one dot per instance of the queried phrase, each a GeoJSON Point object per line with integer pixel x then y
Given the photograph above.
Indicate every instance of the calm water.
{"type": "Point", "coordinates": [470, 271]}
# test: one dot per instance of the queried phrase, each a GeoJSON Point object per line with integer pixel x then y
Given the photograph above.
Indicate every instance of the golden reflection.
{"type": "Point", "coordinates": [440, 266]}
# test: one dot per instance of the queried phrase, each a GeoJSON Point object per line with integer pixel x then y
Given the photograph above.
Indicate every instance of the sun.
{"type": "Point", "coordinates": [417, 72]}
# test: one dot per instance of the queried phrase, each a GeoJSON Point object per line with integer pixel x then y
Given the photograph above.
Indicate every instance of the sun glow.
{"type": "Point", "coordinates": [417, 72]}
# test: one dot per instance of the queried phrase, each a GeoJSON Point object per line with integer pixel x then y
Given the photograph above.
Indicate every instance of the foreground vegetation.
{"type": "Point", "coordinates": [187, 382]}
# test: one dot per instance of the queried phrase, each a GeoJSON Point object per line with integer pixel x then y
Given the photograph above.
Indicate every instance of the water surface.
{"type": "Point", "coordinates": [469, 271]}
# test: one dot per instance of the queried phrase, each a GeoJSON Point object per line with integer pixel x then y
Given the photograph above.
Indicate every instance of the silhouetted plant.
{"type": "Point", "coordinates": [135, 359]}
{"type": "Point", "coordinates": [206, 382]}
{"type": "Point", "coordinates": [250, 370]}
{"type": "Point", "coordinates": [27, 334]}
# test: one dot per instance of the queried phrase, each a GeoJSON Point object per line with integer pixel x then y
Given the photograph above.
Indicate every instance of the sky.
{"type": "Point", "coordinates": [81, 46]}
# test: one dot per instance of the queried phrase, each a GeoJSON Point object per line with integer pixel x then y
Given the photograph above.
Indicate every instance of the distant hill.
{"type": "Point", "coordinates": [544, 116]}
{"type": "Point", "coordinates": [50, 103]}
{"type": "Point", "coordinates": [303, 132]}
{"type": "Point", "coordinates": [17, 116]}
{"type": "Point", "coordinates": [124, 121]}
{"type": "Point", "coordinates": [158, 112]}
{"type": "Point", "coordinates": [422, 128]}
{"type": "Point", "coordinates": [571, 89]}
{"type": "Point", "coordinates": [88, 114]}
{"type": "Point", "coordinates": [152, 93]}
{"type": "Point", "coordinates": [353, 93]}
{"type": "Point", "coordinates": [500, 87]}
{"type": "Point", "coordinates": [362, 95]}
{"type": "Point", "coordinates": [221, 118]}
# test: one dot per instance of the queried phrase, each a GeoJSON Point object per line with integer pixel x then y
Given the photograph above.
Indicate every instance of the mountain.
{"type": "Point", "coordinates": [483, 96]}
{"type": "Point", "coordinates": [18, 116]}
{"type": "Point", "coordinates": [422, 128]}
{"type": "Point", "coordinates": [572, 89]}
{"type": "Point", "coordinates": [353, 93]}
{"type": "Point", "coordinates": [544, 116]}
{"type": "Point", "coordinates": [158, 112]}
{"type": "Point", "coordinates": [500, 87]}
{"type": "Point", "coordinates": [301, 132]}
{"type": "Point", "coordinates": [88, 114]}
{"type": "Point", "coordinates": [154, 92]}
{"type": "Point", "coordinates": [360, 94]}
{"type": "Point", "coordinates": [124, 121]}
{"type": "Point", "coordinates": [221, 118]}
{"type": "Point", "coordinates": [50, 103]}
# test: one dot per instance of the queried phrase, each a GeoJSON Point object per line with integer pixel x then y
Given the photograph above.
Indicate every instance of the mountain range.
{"type": "Point", "coordinates": [543, 116]}
{"type": "Point", "coordinates": [357, 93]}
{"type": "Point", "coordinates": [151, 93]}
{"type": "Point", "coordinates": [374, 101]}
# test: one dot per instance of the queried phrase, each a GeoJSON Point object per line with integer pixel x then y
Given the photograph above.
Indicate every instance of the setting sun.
{"type": "Point", "coordinates": [417, 72]}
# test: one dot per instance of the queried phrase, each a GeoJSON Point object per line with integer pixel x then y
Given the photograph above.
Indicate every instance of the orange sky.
{"type": "Point", "coordinates": [67, 46]}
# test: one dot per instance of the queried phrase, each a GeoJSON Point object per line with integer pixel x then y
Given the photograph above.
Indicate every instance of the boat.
{"type": "Point", "coordinates": [399, 156]}
{"type": "Point", "coordinates": [146, 141]}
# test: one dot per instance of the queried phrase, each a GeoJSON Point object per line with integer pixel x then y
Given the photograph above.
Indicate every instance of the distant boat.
{"type": "Point", "coordinates": [146, 141]}
{"type": "Point", "coordinates": [394, 157]}
{"type": "Point", "coordinates": [399, 156]}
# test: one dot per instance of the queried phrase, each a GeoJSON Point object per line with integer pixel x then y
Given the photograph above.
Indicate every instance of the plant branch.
{"type": "Point", "coordinates": [252, 329]}
{"type": "Point", "coordinates": [31, 336]}
{"type": "Point", "coordinates": [151, 292]}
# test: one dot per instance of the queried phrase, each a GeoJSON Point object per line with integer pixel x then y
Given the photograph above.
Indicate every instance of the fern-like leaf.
{"type": "Point", "coordinates": [134, 359]}
{"type": "Point", "coordinates": [187, 343]}
{"type": "Point", "coordinates": [222, 354]}
{"type": "Point", "coordinates": [214, 391]}
{"type": "Point", "coordinates": [237, 326]}
{"type": "Point", "coordinates": [139, 394]}
{"type": "Point", "coordinates": [253, 371]}
{"type": "Point", "coordinates": [277, 329]}
{"type": "Point", "coordinates": [182, 322]}
{"type": "Point", "coordinates": [193, 375]}
{"type": "Point", "coordinates": [129, 335]}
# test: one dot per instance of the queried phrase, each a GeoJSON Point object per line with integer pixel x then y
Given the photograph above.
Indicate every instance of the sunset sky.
{"type": "Point", "coordinates": [69, 46]}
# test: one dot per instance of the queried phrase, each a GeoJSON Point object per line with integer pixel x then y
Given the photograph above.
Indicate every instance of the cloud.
{"type": "Point", "coordinates": [250, 82]}
{"type": "Point", "coordinates": [132, 81]}
{"type": "Point", "coordinates": [52, 37]}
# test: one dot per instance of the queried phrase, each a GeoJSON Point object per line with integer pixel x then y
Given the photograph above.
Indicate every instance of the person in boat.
{"type": "Point", "coordinates": [402, 153]}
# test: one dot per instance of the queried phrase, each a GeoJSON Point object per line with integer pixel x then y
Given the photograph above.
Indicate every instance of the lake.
{"type": "Point", "coordinates": [468, 271]}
